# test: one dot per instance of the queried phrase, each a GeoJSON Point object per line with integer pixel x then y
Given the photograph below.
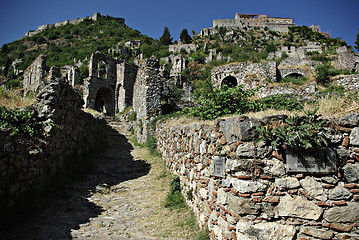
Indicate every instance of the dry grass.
{"type": "Point", "coordinates": [14, 99]}
{"type": "Point", "coordinates": [157, 221]}
{"type": "Point", "coordinates": [183, 120]}
{"type": "Point", "coordinates": [335, 106]}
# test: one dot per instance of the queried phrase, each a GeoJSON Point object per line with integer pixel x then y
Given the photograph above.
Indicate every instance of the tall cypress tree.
{"type": "Point", "coordinates": [185, 37]}
{"type": "Point", "coordinates": [166, 37]}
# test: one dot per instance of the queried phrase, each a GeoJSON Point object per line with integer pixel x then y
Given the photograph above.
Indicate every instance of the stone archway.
{"type": "Point", "coordinates": [230, 81]}
{"type": "Point", "coordinates": [104, 101]}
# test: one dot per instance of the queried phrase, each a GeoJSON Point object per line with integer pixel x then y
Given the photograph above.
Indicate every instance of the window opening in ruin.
{"type": "Point", "coordinates": [102, 73]}
{"type": "Point", "coordinates": [103, 100]}
{"type": "Point", "coordinates": [230, 81]}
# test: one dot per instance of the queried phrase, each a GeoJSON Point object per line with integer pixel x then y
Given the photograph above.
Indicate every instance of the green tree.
{"type": "Point", "coordinates": [166, 37]}
{"type": "Point", "coordinates": [357, 41]}
{"type": "Point", "coordinates": [185, 37]}
{"type": "Point", "coordinates": [322, 73]}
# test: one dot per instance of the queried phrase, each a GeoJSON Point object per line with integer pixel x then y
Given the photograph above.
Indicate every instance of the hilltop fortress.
{"type": "Point", "coordinates": [96, 16]}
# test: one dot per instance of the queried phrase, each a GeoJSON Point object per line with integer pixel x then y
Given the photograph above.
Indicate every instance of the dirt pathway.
{"type": "Point", "coordinates": [121, 199]}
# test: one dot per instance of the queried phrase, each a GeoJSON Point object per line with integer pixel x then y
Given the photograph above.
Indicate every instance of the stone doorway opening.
{"type": "Point", "coordinates": [104, 101]}
{"type": "Point", "coordinates": [229, 81]}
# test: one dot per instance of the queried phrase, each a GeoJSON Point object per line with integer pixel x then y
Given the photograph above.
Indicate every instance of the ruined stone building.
{"type": "Point", "coordinates": [38, 73]}
{"type": "Point", "coordinates": [242, 21]}
{"type": "Point", "coordinates": [109, 87]}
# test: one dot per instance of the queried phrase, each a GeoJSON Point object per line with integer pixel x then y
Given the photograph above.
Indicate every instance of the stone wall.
{"type": "Point", "coordinates": [147, 95]}
{"type": "Point", "coordinates": [347, 60]}
{"type": "Point", "coordinates": [34, 75]}
{"type": "Point", "coordinates": [28, 163]}
{"type": "Point", "coordinates": [244, 72]}
{"type": "Point", "coordinates": [187, 47]}
{"type": "Point", "coordinates": [239, 188]}
{"type": "Point", "coordinates": [349, 82]}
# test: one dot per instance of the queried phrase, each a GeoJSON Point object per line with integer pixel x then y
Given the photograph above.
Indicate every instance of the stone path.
{"type": "Point", "coordinates": [120, 199]}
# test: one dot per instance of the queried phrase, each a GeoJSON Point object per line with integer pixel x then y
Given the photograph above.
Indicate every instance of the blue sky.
{"type": "Point", "coordinates": [338, 17]}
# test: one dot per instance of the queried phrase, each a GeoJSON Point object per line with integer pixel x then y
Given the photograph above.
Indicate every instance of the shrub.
{"type": "Point", "coordinates": [224, 102]}
{"type": "Point", "coordinates": [322, 73]}
{"type": "Point", "coordinates": [296, 132]}
{"type": "Point", "coordinates": [19, 121]}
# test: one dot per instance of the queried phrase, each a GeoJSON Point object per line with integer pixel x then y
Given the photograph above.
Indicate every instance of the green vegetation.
{"type": "Point", "coordinates": [236, 100]}
{"type": "Point", "coordinates": [65, 43]}
{"type": "Point", "coordinates": [296, 132]}
{"type": "Point", "coordinates": [174, 197]}
{"type": "Point", "coordinates": [185, 37]}
{"type": "Point", "coordinates": [20, 121]}
{"type": "Point", "coordinates": [166, 38]}
{"type": "Point", "coordinates": [295, 80]}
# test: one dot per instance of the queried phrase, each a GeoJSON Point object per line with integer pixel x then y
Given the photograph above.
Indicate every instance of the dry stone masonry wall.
{"type": "Point", "coordinates": [28, 163]}
{"type": "Point", "coordinates": [242, 189]}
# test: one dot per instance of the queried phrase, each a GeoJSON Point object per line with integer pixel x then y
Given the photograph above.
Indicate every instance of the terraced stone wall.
{"type": "Point", "coordinates": [241, 189]}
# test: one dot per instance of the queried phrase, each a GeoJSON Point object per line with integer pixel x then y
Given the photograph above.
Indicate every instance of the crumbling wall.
{"type": "Point", "coordinates": [347, 60]}
{"type": "Point", "coordinates": [35, 74]}
{"type": "Point", "coordinates": [29, 163]}
{"type": "Point", "coordinates": [239, 188]}
{"type": "Point", "coordinates": [147, 95]}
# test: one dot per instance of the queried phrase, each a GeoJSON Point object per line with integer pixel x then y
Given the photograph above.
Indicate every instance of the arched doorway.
{"type": "Point", "coordinates": [104, 101]}
{"type": "Point", "coordinates": [229, 81]}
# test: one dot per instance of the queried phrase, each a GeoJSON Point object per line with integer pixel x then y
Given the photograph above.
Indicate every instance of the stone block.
{"type": "Point", "coordinates": [298, 206]}
{"type": "Point", "coordinates": [238, 128]}
{"type": "Point", "coordinates": [349, 213]}
{"type": "Point", "coordinates": [351, 172]}
{"type": "Point", "coordinates": [339, 193]}
{"type": "Point", "coordinates": [247, 150]}
{"type": "Point", "coordinates": [318, 233]}
{"type": "Point", "coordinates": [313, 188]}
{"type": "Point", "coordinates": [245, 186]}
{"type": "Point", "coordinates": [287, 183]}
{"type": "Point", "coordinates": [242, 206]}
{"type": "Point", "coordinates": [354, 137]}
{"type": "Point", "coordinates": [246, 230]}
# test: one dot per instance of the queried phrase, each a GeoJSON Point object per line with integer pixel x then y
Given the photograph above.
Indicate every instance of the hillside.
{"type": "Point", "coordinates": [66, 44]}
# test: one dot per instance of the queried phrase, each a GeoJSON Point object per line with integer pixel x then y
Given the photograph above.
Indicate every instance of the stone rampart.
{"type": "Point", "coordinates": [239, 188]}
{"type": "Point", "coordinates": [29, 163]}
